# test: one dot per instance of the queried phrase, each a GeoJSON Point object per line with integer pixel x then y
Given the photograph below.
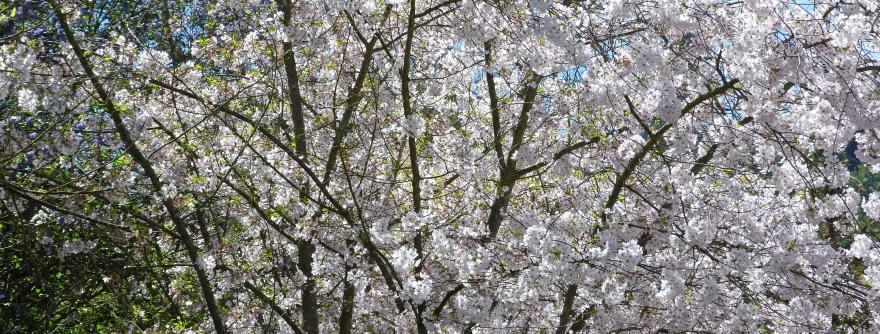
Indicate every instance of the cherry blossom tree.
{"type": "Point", "coordinates": [440, 166]}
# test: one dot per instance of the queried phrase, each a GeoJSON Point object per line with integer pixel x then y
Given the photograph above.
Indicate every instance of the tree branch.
{"type": "Point", "coordinates": [559, 155]}
{"type": "Point", "coordinates": [278, 310]}
{"type": "Point", "coordinates": [566, 314]}
{"type": "Point", "coordinates": [140, 159]}
{"type": "Point", "coordinates": [653, 140]}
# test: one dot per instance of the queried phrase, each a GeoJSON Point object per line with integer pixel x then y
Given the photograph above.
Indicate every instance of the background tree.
{"type": "Point", "coordinates": [439, 166]}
